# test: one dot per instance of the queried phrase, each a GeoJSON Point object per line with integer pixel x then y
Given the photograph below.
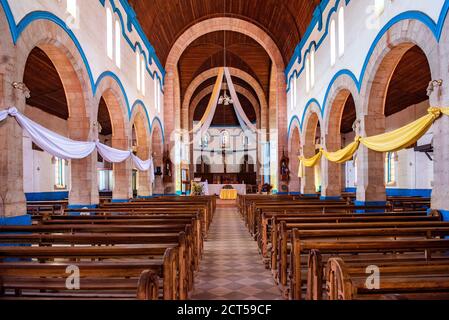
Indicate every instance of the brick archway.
{"type": "Point", "coordinates": [140, 122]}
{"type": "Point", "coordinates": [64, 54]}
{"type": "Point", "coordinates": [109, 90]}
{"type": "Point", "coordinates": [157, 150]}
{"type": "Point", "coordinates": [278, 98]}
{"type": "Point", "coordinates": [342, 89]}
{"type": "Point", "coordinates": [388, 53]}
{"type": "Point", "coordinates": [310, 126]}
{"type": "Point", "coordinates": [294, 148]}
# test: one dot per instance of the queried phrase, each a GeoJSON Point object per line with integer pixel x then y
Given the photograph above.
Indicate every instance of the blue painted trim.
{"type": "Point", "coordinates": [47, 196]}
{"type": "Point", "coordinates": [352, 189]}
{"type": "Point", "coordinates": [435, 27]}
{"type": "Point", "coordinates": [119, 200]}
{"type": "Point", "coordinates": [370, 203]}
{"type": "Point", "coordinates": [445, 215]}
{"type": "Point", "coordinates": [292, 121]}
{"type": "Point", "coordinates": [179, 193]}
{"type": "Point", "coordinates": [283, 193]}
{"type": "Point", "coordinates": [324, 198]}
{"type": "Point", "coordinates": [24, 220]}
{"type": "Point", "coordinates": [17, 29]}
{"type": "Point", "coordinates": [295, 193]}
{"type": "Point", "coordinates": [81, 206]}
{"type": "Point", "coordinates": [151, 124]}
{"type": "Point", "coordinates": [426, 193]}
{"type": "Point", "coordinates": [309, 195]}
{"type": "Point", "coordinates": [156, 121]}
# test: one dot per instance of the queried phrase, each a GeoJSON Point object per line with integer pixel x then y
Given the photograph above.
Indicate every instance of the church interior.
{"type": "Point", "coordinates": [224, 150]}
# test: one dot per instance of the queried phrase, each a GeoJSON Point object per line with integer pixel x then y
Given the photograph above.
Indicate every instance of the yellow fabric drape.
{"type": "Point", "coordinates": [393, 141]}
{"type": "Point", "coordinates": [344, 154]}
{"type": "Point", "coordinates": [403, 137]}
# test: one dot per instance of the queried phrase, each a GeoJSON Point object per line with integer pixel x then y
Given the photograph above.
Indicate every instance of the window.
{"type": "Point", "coordinates": [307, 74]}
{"type": "Point", "coordinates": [71, 7]}
{"type": "Point", "coordinates": [224, 139]}
{"type": "Point", "coordinates": [59, 173]}
{"type": "Point", "coordinates": [390, 168]}
{"type": "Point", "coordinates": [341, 31]}
{"type": "Point", "coordinates": [117, 43]}
{"type": "Point", "coordinates": [333, 43]}
{"type": "Point", "coordinates": [205, 141]}
{"type": "Point", "coordinates": [109, 32]}
{"type": "Point", "coordinates": [312, 68]}
{"type": "Point", "coordinates": [138, 69]}
{"type": "Point", "coordinates": [379, 7]}
{"type": "Point", "coordinates": [105, 180]}
{"type": "Point", "coordinates": [142, 73]}
{"type": "Point", "coordinates": [159, 95]}
{"type": "Point", "coordinates": [295, 88]}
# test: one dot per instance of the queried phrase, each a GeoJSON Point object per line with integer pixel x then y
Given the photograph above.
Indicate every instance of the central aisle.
{"type": "Point", "coordinates": [231, 268]}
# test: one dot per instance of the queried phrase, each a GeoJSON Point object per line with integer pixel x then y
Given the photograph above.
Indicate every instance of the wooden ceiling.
{"type": "Point", "coordinates": [47, 90]}
{"type": "Point", "coordinates": [409, 83]}
{"type": "Point", "coordinates": [225, 115]}
{"type": "Point", "coordinates": [164, 21]}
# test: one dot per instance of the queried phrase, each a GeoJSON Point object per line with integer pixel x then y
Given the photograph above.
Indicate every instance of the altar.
{"type": "Point", "coordinates": [216, 188]}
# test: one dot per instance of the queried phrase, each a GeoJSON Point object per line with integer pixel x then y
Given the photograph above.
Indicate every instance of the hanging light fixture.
{"type": "Point", "coordinates": [225, 99]}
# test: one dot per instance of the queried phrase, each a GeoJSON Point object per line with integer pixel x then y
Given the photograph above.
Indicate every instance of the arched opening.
{"type": "Point", "coordinates": [117, 177]}
{"type": "Point", "coordinates": [141, 148]}
{"type": "Point", "coordinates": [311, 181]}
{"type": "Point", "coordinates": [57, 102]}
{"type": "Point", "coordinates": [294, 149]}
{"type": "Point", "coordinates": [157, 149]}
{"type": "Point", "coordinates": [340, 133]}
{"type": "Point", "coordinates": [399, 96]}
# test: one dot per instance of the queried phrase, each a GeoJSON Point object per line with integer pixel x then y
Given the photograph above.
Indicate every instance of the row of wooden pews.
{"type": "Point", "coordinates": [322, 250]}
{"type": "Point", "coordinates": [135, 250]}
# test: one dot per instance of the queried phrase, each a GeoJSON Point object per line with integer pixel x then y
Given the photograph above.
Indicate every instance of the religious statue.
{"type": "Point", "coordinates": [285, 171]}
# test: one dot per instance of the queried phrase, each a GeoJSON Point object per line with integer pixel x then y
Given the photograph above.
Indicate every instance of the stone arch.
{"type": "Point", "coordinates": [342, 89]}
{"type": "Point", "coordinates": [294, 147]}
{"type": "Point", "coordinates": [383, 62]}
{"type": "Point", "coordinates": [278, 98]}
{"type": "Point", "coordinates": [109, 90]}
{"type": "Point", "coordinates": [157, 150]}
{"type": "Point", "coordinates": [64, 54]}
{"type": "Point", "coordinates": [141, 124]}
{"type": "Point", "coordinates": [238, 88]}
{"type": "Point", "coordinates": [213, 73]}
{"type": "Point", "coordinates": [311, 122]}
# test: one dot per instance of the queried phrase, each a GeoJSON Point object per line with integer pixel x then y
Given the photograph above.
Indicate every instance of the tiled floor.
{"type": "Point", "coordinates": [232, 268]}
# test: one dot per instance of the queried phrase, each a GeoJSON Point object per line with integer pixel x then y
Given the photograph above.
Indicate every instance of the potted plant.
{"type": "Point", "coordinates": [266, 188]}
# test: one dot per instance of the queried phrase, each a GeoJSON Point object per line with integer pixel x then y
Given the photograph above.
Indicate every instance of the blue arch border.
{"type": "Point", "coordinates": [16, 31]}
{"type": "Point", "coordinates": [435, 27]}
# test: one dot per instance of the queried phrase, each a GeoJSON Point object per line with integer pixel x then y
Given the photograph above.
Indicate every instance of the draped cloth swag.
{"type": "Point", "coordinates": [395, 140]}
{"type": "Point", "coordinates": [208, 116]}
{"type": "Point", "coordinates": [65, 148]}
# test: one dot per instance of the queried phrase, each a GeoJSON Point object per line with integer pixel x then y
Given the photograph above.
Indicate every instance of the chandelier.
{"type": "Point", "coordinates": [225, 99]}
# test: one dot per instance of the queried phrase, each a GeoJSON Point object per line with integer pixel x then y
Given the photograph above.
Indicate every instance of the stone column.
{"type": "Point", "coordinates": [143, 184]}
{"type": "Point", "coordinates": [12, 197]}
{"type": "Point", "coordinates": [370, 165]}
{"type": "Point", "coordinates": [308, 180]}
{"type": "Point", "coordinates": [331, 172]}
{"type": "Point", "coordinates": [122, 174]}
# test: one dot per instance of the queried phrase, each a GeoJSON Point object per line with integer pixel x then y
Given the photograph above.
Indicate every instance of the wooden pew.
{"type": "Point", "coordinates": [398, 280]}
{"type": "Point", "coordinates": [165, 267]}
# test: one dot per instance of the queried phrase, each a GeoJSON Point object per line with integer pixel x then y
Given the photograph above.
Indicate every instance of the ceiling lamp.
{"type": "Point", "coordinates": [225, 99]}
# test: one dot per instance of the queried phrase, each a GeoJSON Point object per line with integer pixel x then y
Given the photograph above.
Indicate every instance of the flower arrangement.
{"type": "Point", "coordinates": [197, 189]}
{"type": "Point", "coordinates": [266, 188]}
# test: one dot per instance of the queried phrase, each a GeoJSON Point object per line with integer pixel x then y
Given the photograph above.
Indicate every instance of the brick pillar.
{"type": "Point", "coordinates": [12, 197]}
{"type": "Point", "coordinates": [308, 181]}
{"type": "Point", "coordinates": [84, 181]}
{"type": "Point", "coordinates": [330, 171]}
{"type": "Point", "coordinates": [143, 184]}
{"type": "Point", "coordinates": [370, 165]}
{"type": "Point", "coordinates": [122, 173]}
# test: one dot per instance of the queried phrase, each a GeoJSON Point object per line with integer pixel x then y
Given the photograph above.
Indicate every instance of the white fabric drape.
{"type": "Point", "coordinates": [243, 119]}
{"type": "Point", "coordinates": [65, 148]}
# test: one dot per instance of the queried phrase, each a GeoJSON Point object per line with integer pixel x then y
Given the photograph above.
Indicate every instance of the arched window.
{"type": "Point", "coordinates": [333, 43]}
{"type": "Point", "coordinates": [308, 74]}
{"type": "Point", "coordinates": [390, 168]}
{"type": "Point", "coordinates": [312, 68]}
{"type": "Point", "coordinates": [71, 7]}
{"type": "Point", "coordinates": [341, 31]}
{"type": "Point", "coordinates": [142, 73]}
{"type": "Point", "coordinates": [138, 69]}
{"type": "Point", "coordinates": [295, 92]}
{"type": "Point", "coordinates": [117, 43]}
{"type": "Point", "coordinates": [224, 138]}
{"type": "Point", "coordinates": [109, 33]}
{"type": "Point", "coordinates": [59, 166]}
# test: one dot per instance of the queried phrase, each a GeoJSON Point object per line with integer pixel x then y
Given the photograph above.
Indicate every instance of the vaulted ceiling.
{"type": "Point", "coordinates": [165, 20]}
